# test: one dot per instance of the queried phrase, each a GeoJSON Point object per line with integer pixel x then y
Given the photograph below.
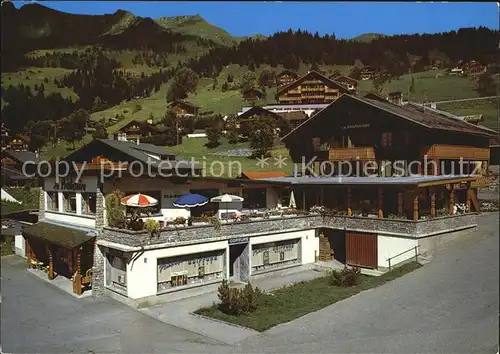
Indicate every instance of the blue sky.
{"type": "Point", "coordinates": [345, 19]}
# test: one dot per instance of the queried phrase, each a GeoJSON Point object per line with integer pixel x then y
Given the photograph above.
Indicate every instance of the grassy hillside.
{"type": "Point", "coordinates": [431, 84]}
{"type": "Point", "coordinates": [488, 108]}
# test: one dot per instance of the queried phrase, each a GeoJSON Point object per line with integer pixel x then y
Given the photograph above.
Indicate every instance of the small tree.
{"type": "Point", "coordinates": [485, 85]}
{"type": "Point", "coordinates": [261, 137]}
{"type": "Point", "coordinates": [248, 81]}
{"type": "Point", "coordinates": [115, 211]}
{"type": "Point", "coordinates": [232, 130]}
{"type": "Point", "coordinates": [100, 130]}
{"type": "Point", "coordinates": [183, 82]}
{"type": "Point", "coordinates": [36, 142]}
{"type": "Point", "coordinates": [214, 133]}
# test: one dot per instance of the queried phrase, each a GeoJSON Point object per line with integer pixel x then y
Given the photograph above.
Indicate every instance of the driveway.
{"type": "Point", "coordinates": [449, 305]}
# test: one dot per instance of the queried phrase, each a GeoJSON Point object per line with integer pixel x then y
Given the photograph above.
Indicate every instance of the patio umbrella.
{"type": "Point", "coordinates": [139, 200]}
{"type": "Point", "coordinates": [190, 201]}
{"type": "Point", "coordinates": [226, 198]}
{"type": "Point", "coordinates": [292, 200]}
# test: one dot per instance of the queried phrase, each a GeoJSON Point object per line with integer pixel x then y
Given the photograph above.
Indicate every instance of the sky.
{"type": "Point", "coordinates": [345, 19]}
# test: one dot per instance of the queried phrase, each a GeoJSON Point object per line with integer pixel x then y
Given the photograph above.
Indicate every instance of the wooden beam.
{"type": "Point", "coordinates": [380, 202]}
{"type": "Point", "coordinates": [415, 205]}
{"type": "Point", "coordinates": [349, 195]}
{"type": "Point", "coordinates": [400, 203]}
{"type": "Point", "coordinates": [468, 196]}
{"type": "Point", "coordinates": [433, 201]}
{"type": "Point", "coordinates": [438, 167]}
{"type": "Point", "coordinates": [448, 181]}
{"type": "Point", "coordinates": [451, 201]}
{"type": "Point", "coordinates": [77, 282]}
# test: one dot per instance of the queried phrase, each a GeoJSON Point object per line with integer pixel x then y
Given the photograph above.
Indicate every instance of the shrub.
{"type": "Point", "coordinates": [114, 210]}
{"type": "Point", "coordinates": [152, 226]}
{"type": "Point", "coordinates": [345, 277]}
{"type": "Point", "coordinates": [238, 301]}
{"type": "Point", "coordinates": [179, 220]}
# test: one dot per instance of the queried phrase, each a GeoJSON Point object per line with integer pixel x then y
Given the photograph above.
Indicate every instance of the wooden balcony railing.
{"type": "Point", "coordinates": [481, 182]}
{"type": "Point", "coordinates": [441, 151]}
{"type": "Point", "coordinates": [355, 153]}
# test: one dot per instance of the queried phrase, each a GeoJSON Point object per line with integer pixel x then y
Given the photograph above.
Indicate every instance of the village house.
{"type": "Point", "coordinates": [474, 68]}
{"type": "Point", "coordinates": [135, 129]}
{"type": "Point", "coordinates": [395, 97]}
{"type": "Point", "coordinates": [286, 77]}
{"type": "Point", "coordinates": [183, 108]}
{"type": "Point", "coordinates": [367, 73]}
{"type": "Point", "coordinates": [350, 83]}
{"type": "Point", "coordinates": [12, 162]}
{"type": "Point", "coordinates": [18, 142]}
{"type": "Point", "coordinates": [312, 88]}
{"type": "Point", "coordinates": [252, 94]}
{"type": "Point", "coordinates": [277, 223]}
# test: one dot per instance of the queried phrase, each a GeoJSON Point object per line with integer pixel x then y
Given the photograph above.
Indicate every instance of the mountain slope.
{"type": "Point", "coordinates": [368, 37]}
{"type": "Point", "coordinates": [198, 27]}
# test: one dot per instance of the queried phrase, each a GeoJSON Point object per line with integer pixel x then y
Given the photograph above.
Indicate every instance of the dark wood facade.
{"type": "Point", "coordinates": [361, 130]}
{"type": "Point", "coordinates": [311, 88]}
{"type": "Point", "coordinates": [286, 77]}
{"type": "Point", "coordinates": [184, 109]}
{"type": "Point", "coordinates": [252, 94]}
{"type": "Point", "coordinates": [136, 130]}
{"type": "Point", "coordinates": [350, 83]}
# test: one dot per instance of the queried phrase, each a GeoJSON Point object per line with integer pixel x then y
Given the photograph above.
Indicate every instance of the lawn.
{"type": "Point", "coordinates": [488, 108]}
{"type": "Point", "coordinates": [291, 302]}
{"type": "Point", "coordinates": [35, 76]}
{"type": "Point", "coordinates": [440, 88]}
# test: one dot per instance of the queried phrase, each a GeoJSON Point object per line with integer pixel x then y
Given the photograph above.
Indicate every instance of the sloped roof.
{"type": "Point", "coordinates": [261, 174]}
{"type": "Point", "coordinates": [294, 115]}
{"type": "Point", "coordinates": [57, 234]}
{"type": "Point", "coordinates": [20, 156]}
{"type": "Point", "coordinates": [258, 111]}
{"type": "Point", "coordinates": [141, 124]}
{"type": "Point", "coordinates": [308, 75]}
{"type": "Point", "coordinates": [337, 77]}
{"type": "Point", "coordinates": [420, 116]}
{"type": "Point", "coordinates": [289, 72]}
{"type": "Point", "coordinates": [183, 102]}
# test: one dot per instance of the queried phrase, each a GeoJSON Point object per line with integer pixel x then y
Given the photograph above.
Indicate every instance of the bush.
{"type": "Point", "coordinates": [114, 210]}
{"type": "Point", "coordinates": [345, 277]}
{"type": "Point", "coordinates": [152, 226]}
{"type": "Point", "coordinates": [137, 108]}
{"type": "Point", "coordinates": [238, 301]}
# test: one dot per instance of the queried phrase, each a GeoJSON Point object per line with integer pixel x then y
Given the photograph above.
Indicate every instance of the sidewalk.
{"type": "Point", "coordinates": [180, 313]}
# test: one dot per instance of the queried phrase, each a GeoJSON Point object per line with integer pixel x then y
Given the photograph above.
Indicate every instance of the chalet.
{"type": "Point", "coordinates": [367, 73]}
{"type": "Point", "coordinates": [135, 129]}
{"type": "Point", "coordinates": [312, 88]}
{"type": "Point", "coordinates": [474, 68]}
{"type": "Point", "coordinates": [286, 77]}
{"type": "Point", "coordinates": [18, 142]}
{"type": "Point", "coordinates": [350, 83]}
{"type": "Point", "coordinates": [12, 162]}
{"type": "Point", "coordinates": [395, 97]}
{"type": "Point", "coordinates": [364, 129]}
{"type": "Point", "coordinates": [184, 108]}
{"type": "Point", "coordinates": [5, 136]}
{"type": "Point", "coordinates": [295, 117]}
{"type": "Point", "coordinates": [252, 94]}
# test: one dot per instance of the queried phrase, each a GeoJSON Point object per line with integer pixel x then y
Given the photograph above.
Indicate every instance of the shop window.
{"type": "Point", "coordinates": [275, 254]}
{"type": "Point", "coordinates": [70, 202]}
{"type": "Point", "coordinates": [189, 269]}
{"type": "Point", "coordinates": [53, 201]}
{"type": "Point", "coordinates": [89, 203]}
{"type": "Point", "coordinates": [117, 267]}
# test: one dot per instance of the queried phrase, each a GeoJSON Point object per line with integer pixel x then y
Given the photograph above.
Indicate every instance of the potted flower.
{"type": "Point", "coordinates": [152, 226]}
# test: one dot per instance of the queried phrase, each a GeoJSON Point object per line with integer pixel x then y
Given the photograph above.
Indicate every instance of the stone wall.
{"type": "Point", "coordinates": [195, 234]}
{"type": "Point", "coordinates": [98, 286]}
{"type": "Point", "coordinates": [99, 206]}
{"type": "Point", "coordinates": [41, 204]}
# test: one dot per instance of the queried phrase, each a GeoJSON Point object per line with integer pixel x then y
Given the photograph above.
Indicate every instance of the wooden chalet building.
{"type": "Point", "coordinates": [252, 94]}
{"type": "Point", "coordinates": [395, 98]}
{"type": "Point", "coordinates": [5, 136]}
{"type": "Point", "coordinates": [17, 142]}
{"type": "Point", "coordinates": [12, 162]}
{"type": "Point", "coordinates": [367, 73]}
{"type": "Point", "coordinates": [474, 68]}
{"type": "Point", "coordinates": [312, 88]}
{"type": "Point", "coordinates": [136, 130]}
{"type": "Point", "coordinates": [350, 83]}
{"type": "Point", "coordinates": [286, 77]}
{"type": "Point", "coordinates": [184, 108]}
{"type": "Point", "coordinates": [358, 130]}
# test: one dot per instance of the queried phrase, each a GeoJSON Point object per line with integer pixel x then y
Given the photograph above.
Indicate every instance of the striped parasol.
{"type": "Point", "coordinates": [138, 200]}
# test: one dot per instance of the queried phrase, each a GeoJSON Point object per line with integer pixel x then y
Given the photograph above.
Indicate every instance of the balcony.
{"type": "Point", "coordinates": [355, 153]}
{"type": "Point", "coordinates": [441, 151]}
{"type": "Point", "coordinates": [184, 235]}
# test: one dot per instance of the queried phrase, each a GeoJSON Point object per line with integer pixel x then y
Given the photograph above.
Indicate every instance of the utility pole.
{"type": "Point", "coordinates": [177, 128]}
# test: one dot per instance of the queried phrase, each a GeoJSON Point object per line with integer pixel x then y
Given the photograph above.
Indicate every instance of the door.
{"type": "Point", "coordinates": [361, 249]}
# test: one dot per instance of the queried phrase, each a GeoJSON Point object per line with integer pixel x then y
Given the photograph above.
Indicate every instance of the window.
{"type": "Point", "coordinates": [116, 274]}
{"type": "Point", "coordinates": [386, 140]}
{"type": "Point", "coordinates": [89, 203]}
{"type": "Point", "coordinates": [254, 198]}
{"type": "Point", "coordinates": [53, 201]}
{"type": "Point", "coordinates": [69, 202]}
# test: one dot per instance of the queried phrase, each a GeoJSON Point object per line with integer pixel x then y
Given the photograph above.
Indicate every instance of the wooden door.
{"type": "Point", "coordinates": [361, 249]}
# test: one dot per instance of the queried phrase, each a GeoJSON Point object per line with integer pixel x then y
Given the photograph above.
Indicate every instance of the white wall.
{"type": "Point", "coordinates": [309, 243]}
{"type": "Point", "coordinates": [87, 221]}
{"type": "Point", "coordinates": [389, 246]}
{"type": "Point", "coordinates": [142, 274]}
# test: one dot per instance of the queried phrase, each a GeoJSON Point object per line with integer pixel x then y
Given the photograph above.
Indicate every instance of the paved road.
{"type": "Point", "coordinates": [465, 100]}
{"type": "Point", "coordinates": [449, 305]}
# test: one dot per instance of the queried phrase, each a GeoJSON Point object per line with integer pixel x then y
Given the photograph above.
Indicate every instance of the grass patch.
{"type": "Point", "coordinates": [487, 107]}
{"type": "Point", "coordinates": [291, 302]}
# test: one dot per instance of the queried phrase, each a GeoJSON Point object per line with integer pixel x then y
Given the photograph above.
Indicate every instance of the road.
{"type": "Point", "coordinates": [463, 100]}
{"type": "Point", "coordinates": [449, 305]}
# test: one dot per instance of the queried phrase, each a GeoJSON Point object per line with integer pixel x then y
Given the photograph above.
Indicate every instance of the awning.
{"type": "Point", "coordinates": [63, 236]}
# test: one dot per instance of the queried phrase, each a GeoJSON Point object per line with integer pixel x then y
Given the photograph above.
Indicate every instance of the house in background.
{"type": "Point", "coordinates": [286, 77]}
{"type": "Point", "coordinates": [12, 167]}
{"type": "Point", "coordinates": [252, 94]}
{"type": "Point", "coordinates": [5, 136]}
{"type": "Point", "coordinates": [183, 108]}
{"type": "Point", "coordinates": [474, 68]}
{"type": "Point", "coordinates": [367, 73]}
{"type": "Point", "coordinates": [312, 88]}
{"type": "Point", "coordinates": [135, 129]}
{"type": "Point", "coordinates": [350, 83]}
{"type": "Point", "coordinates": [17, 142]}
{"type": "Point", "coordinates": [395, 98]}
